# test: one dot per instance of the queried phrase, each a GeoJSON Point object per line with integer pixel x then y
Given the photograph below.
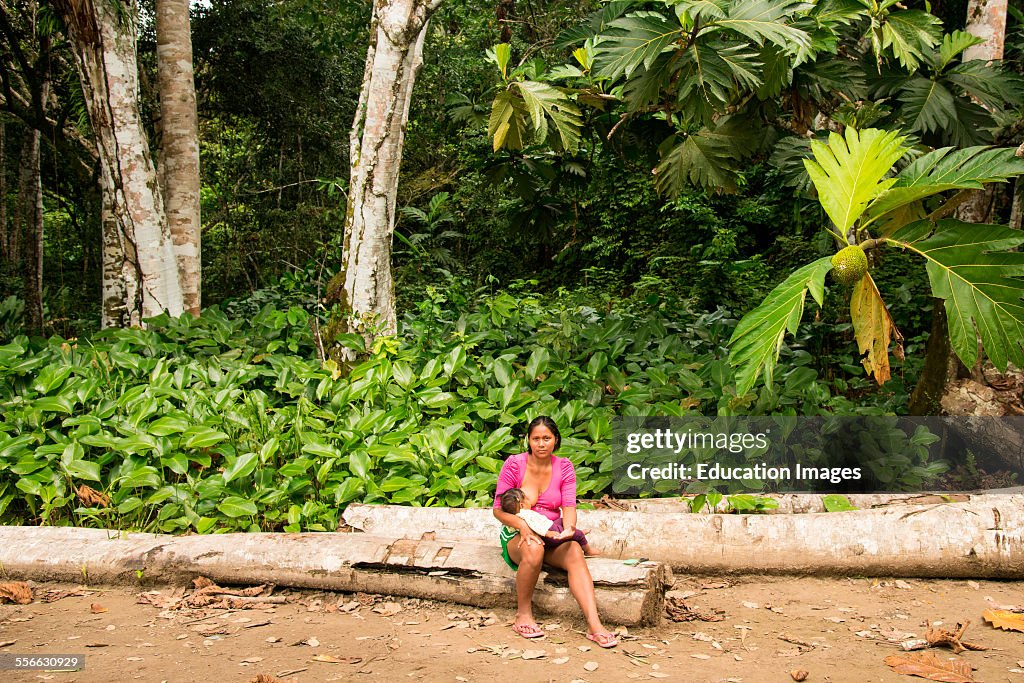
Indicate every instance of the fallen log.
{"type": "Point", "coordinates": [797, 503]}
{"type": "Point", "coordinates": [458, 571]}
{"type": "Point", "coordinates": [981, 538]}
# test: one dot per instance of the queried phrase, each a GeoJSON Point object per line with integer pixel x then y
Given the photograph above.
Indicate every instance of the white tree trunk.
{"type": "Point", "coordinates": [179, 144]}
{"type": "Point", "coordinates": [987, 20]}
{"type": "Point", "coordinates": [977, 539]}
{"type": "Point", "coordinates": [397, 32]}
{"type": "Point", "coordinates": [103, 37]}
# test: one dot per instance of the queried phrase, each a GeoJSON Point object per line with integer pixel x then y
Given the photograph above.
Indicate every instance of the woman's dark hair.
{"type": "Point", "coordinates": [543, 421]}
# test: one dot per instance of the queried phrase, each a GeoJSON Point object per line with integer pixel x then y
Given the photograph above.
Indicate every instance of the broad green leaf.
{"type": "Point", "coordinates": [242, 466]}
{"type": "Point", "coordinates": [54, 404]}
{"type": "Point", "coordinates": [235, 507]}
{"type": "Point", "coordinates": [50, 378]}
{"type": "Point", "coordinates": [873, 328]}
{"type": "Point", "coordinates": [836, 502]}
{"type": "Point", "coordinates": [538, 362]}
{"type": "Point", "coordinates": [910, 34]}
{"type": "Point", "coordinates": [763, 21]}
{"type": "Point", "coordinates": [83, 469]}
{"type": "Point", "coordinates": [971, 268]}
{"type": "Point", "coordinates": [507, 125]}
{"type": "Point", "coordinates": [756, 341]}
{"type": "Point", "coordinates": [953, 44]}
{"type": "Point", "coordinates": [203, 437]}
{"type": "Point", "coordinates": [359, 463]}
{"type": "Point", "coordinates": [633, 41]}
{"type": "Point", "coordinates": [848, 172]}
{"type": "Point", "coordinates": [595, 23]}
{"type": "Point", "coordinates": [501, 54]}
{"type": "Point", "coordinates": [168, 425]}
{"type": "Point", "coordinates": [945, 169]}
{"type": "Point", "coordinates": [544, 102]}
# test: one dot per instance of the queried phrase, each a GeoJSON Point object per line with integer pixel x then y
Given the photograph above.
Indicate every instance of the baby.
{"type": "Point", "coordinates": [550, 531]}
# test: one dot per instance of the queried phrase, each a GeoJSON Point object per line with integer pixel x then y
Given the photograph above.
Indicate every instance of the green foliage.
{"type": "Point", "coordinates": [970, 267]}
{"type": "Point", "coordinates": [219, 423]}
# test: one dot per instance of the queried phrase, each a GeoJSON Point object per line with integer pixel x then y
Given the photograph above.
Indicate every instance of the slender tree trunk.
{"type": "Point", "coordinates": [985, 19]}
{"type": "Point", "coordinates": [141, 279]}
{"type": "Point", "coordinates": [3, 191]}
{"type": "Point", "coordinates": [30, 225]}
{"type": "Point", "coordinates": [397, 32]}
{"type": "Point", "coordinates": [179, 144]}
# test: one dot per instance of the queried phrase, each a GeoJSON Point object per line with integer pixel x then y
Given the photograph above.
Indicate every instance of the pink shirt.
{"type": "Point", "coordinates": [561, 492]}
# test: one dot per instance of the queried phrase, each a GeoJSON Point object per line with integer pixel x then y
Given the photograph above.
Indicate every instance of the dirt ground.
{"type": "Point", "coordinates": [837, 630]}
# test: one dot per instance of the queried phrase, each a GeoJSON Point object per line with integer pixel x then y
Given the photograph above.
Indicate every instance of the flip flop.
{"type": "Point", "coordinates": [528, 631]}
{"type": "Point", "coordinates": [605, 640]}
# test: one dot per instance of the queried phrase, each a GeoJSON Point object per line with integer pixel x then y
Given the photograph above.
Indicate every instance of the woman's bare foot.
{"type": "Point", "coordinates": [527, 627]}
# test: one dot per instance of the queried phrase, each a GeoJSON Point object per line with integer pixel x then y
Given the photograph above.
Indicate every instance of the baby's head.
{"type": "Point", "coordinates": [511, 501]}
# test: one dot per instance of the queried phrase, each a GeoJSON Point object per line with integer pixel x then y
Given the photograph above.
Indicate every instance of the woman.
{"type": "Point", "coordinates": [549, 487]}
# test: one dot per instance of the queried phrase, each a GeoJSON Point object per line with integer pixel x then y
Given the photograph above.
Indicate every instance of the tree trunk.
{"type": "Point", "coordinates": [366, 290]}
{"type": "Point", "coordinates": [980, 538]}
{"type": "Point", "coordinates": [30, 226]}
{"type": "Point", "coordinates": [103, 37]}
{"type": "Point", "coordinates": [985, 19]}
{"type": "Point", "coordinates": [179, 144]}
{"type": "Point", "coordinates": [3, 191]}
{"type": "Point", "coordinates": [466, 573]}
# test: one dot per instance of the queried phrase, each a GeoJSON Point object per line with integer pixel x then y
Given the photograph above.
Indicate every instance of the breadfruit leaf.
{"type": "Point", "coordinates": [874, 329]}
{"type": "Point", "coordinates": [945, 169]}
{"type": "Point", "coordinates": [633, 41]}
{"type": "Point", "coordinates": [507, 125]}
{"type": "Point", "coordinates": [849, 172]}
{"type": "Point", "coordinates": [544, 103]}
{"type": "Point", "coordinates": [973, 270]}
{"type": "Point", "coordinates": [756, 342]}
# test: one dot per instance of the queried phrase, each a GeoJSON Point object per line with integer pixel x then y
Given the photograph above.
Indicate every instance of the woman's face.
{"type": "Point", "coordinates": [542, 442]}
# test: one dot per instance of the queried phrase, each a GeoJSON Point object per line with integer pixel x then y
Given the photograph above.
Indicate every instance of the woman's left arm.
{"type": "Point", "coordinates": [568, 491]}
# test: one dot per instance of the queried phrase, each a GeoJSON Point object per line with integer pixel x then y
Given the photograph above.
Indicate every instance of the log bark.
{"type": "Point", "coordinates": [103, 38]}
{"type": "Point", "coordinates": [982, 538]}
{"type": "Point", "coordinates": [457, 571]}
{"type": "Point", "coordinates": [394, 58]}
{"type": "Point", "coordinates": [179, 144]}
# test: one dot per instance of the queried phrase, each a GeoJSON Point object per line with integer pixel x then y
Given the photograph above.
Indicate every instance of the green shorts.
{"type": "Point", "coordinates": [506, 535]}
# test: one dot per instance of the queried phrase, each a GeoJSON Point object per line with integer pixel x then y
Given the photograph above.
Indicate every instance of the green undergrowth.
{"type": "Point", "coordinates": [232, 423]}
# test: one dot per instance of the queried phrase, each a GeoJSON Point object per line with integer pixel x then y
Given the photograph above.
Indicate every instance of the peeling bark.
{"type": "Point", "coordinates": [141, 279]}
{"type": "Point", "coordinates": [179, 144]}
{"type": "Point", "coordinates": [394, 57]}
{"type": "Point", "coordinates": [987, 20]}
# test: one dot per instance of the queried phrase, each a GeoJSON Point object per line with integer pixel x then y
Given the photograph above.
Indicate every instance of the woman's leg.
{"type": "Point", "coordinates": [530, 558]}
{"type": "Point", "coordinates": [569, 556]}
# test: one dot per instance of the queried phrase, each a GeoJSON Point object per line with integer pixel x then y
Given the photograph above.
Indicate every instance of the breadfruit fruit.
{"type": "Point", "coordinates": [849, 265]}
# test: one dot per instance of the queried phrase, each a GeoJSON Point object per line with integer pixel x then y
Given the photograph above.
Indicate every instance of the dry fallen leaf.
{"type": "Point", "coordinates": [534, 654]}
{"type": "Point", "coordinates": [90, 497]}
{"type": "Point", "coordinates": [927, 665]}
{"type": "Point", "coordinates": [560, 660]}
{"type": "Point", "coordinates": [16, 591]}
{"type": "Point", "coordinates": [798, 675]}
{"type": "Point", "coordinates": [941, 636]}
{"type": "Point", "coordinates": [97, 608]}
{"type": "Point", "coordinates": [388, 609]}
{"type": "Point", "coordinates": [7, 643]}
{"type": "Point", "coordinates": [266, 678]}
{"type": "Point", "coordinates": [252, 660]}
{"type": "Point", "coordinates": [590, 666]}
{"type": "Point", "coordinates": [1004, 619]}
